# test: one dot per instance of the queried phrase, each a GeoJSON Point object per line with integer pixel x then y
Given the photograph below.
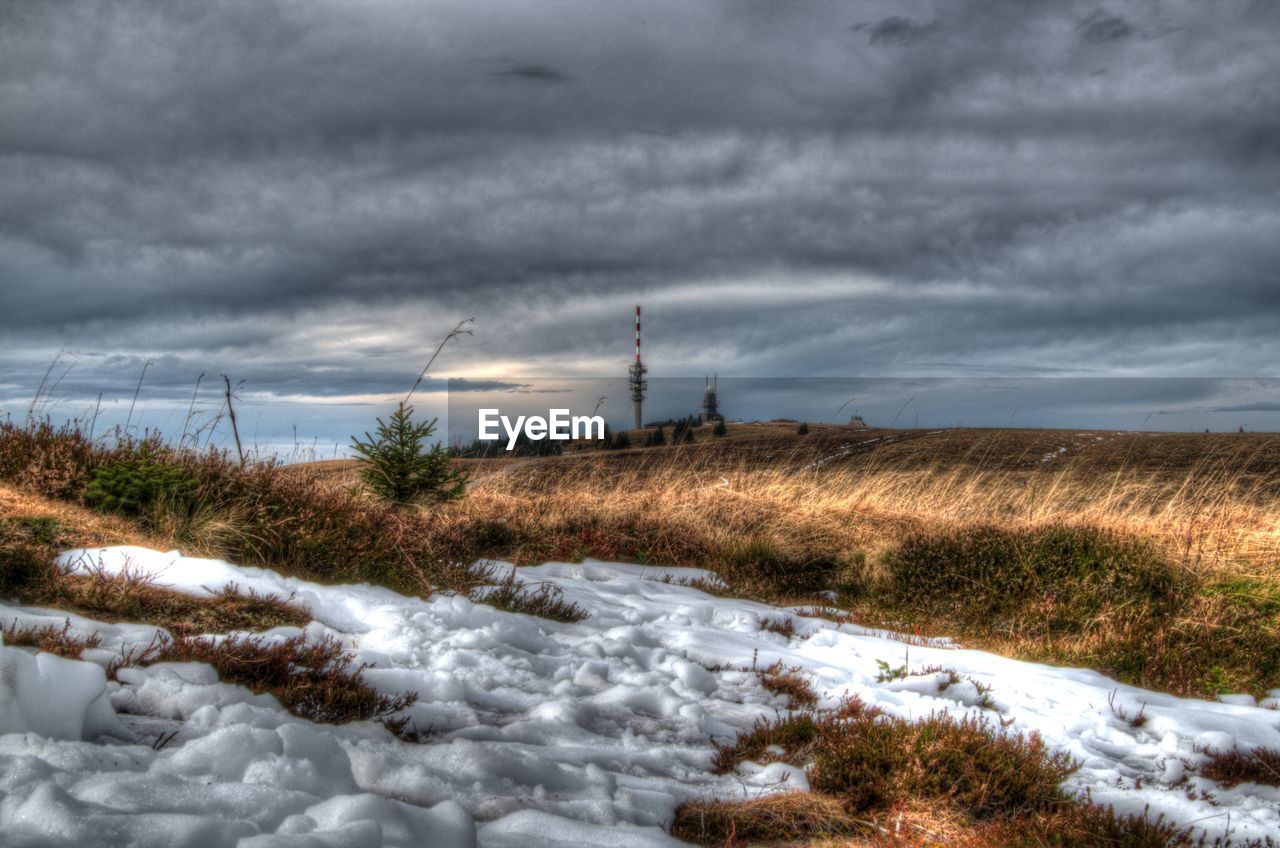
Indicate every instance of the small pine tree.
{"type": "Point", "coordinates": [658, 437]}
{"type": "Point", "coordinates": [397, 466]}
{"type": "Point", "coordinates": [803, 430]}
{"type": "Point", "coordinates": [621, 441]}
{"type": "Point", "coordinates": [719, 429]}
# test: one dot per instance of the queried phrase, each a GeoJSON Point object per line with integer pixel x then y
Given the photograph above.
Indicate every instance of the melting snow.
{"type": "Point", "coordinates": [539, 733]}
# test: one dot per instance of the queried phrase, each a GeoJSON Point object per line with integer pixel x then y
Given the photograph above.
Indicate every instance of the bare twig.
{"type": "Point", "coordinates": [94, 422]}
{"type": "Point", "coordinates": [163, 740]}
{"type": "Point", "coordinates": [138, 388]}
{"type": "Point", "coordinates": [453, 334]}
{"type": "Point", "coordinates": [190, 410]}
{"type": "Point", "coordinates": [231, 413]}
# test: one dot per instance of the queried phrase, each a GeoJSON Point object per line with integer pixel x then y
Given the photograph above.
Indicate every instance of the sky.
{"type": "Point", "coordinates": [307, 195]}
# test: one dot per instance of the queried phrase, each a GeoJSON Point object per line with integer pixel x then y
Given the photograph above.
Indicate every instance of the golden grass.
{"type": "Point", "coordinates": [1209, 502]}
{"type": "Point", "coordinates": [770, 819]}
{"type": "Point", "coordinates": [92, 529]}
{"type": "Point", "coordinates": [32, 531]}
{"type": "Point", "coordinates": [785, 517]}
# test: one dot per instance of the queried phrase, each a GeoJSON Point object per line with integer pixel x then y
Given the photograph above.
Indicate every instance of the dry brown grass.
{"type": "Point", "coordinates": [544, 600]}
{"type": "Point", "coordinates": [1231, 768]}
{"type": "Point", "coordinates": [29, 541]}
{"type": "Point", "coordinates": [795, 816]}
{"type": "Point", "coordinates": [781, 517]}
{"type": "Point", "coordinates": [786, 517]}
{"type": "Point", "coordinates": [315, 680]}
{"type": "Point", "coordinates": [789, 681]}
{"type": "Point", "coordinates": [50, 638]}
{"type": "Point", "coordinates": [1209, 501]}
{"type": "Point", "coordinates": [258, 514]}
{"type": "Point", "coordinates": [92, 529]}
{"type": "Point", "coordinates": [814, 820]}
{"type": "Point", "coordinates": [881, 781]}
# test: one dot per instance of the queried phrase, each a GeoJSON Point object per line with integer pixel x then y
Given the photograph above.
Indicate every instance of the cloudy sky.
{"type": "Point", "coordinates": [307, 195]}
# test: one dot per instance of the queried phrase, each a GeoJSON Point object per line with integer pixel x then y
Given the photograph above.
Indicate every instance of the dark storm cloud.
{"type": "Point", "coordinates": [1102, 26]}
{"type": "Point", "coordinates": [534, 73]}
{"type": "Point", "coordinates": [896, 31]}
{"type": "Point", "coordinates": [1273, 406]}
{"type": "Point", "coordinates": [308, 195]}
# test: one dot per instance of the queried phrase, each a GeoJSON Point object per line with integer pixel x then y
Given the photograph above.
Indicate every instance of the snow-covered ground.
{"type": "Point", "coordinates": [540, 733]}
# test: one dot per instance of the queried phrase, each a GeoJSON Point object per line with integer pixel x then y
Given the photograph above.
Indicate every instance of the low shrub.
{"type": "Point", "coordinates": [872, 761]}
{"type": "Point", "coordinates": [757, 565]}
{"type": "Point", "coordinates": [1231, 768]}
{"type": "Point", "coordinates": [1080, 596]}
{"type": "Point", "coordinates": [785, 817]}
{"type": "Point", "coordinates": [1087, 825]}
{"type": "Point", "coordinates": [784, 627]}
{"type": "Point", "coordinates": [54, 462]}
{"type": "Point", "coordinates": [781, 680]}
{"type": "Point", "coordinates": [971, 783]}
{"type": "Point", "coordinates": [790, 739]}
{"type": "Point", "coordinates": [1053, 581]}
{"type": "Point", "coordinates": [50, 638]}
{"type": "Point", "coordinates": [132, 484]}
{"type": "Point", "coordinates": [546, 601]}
{"type": "Point", "coordinates": [23, 566]}
{"type": "Point", "coordinates": [132, 597]}
{"type": "Point", "coordinates": [937, 782]}
{"type": "Point", "coordinates": [28, 575]}
{"type": "Point", "coordinates": [313, 680]}
{"type": "Point", "coordinates": [260, 514]}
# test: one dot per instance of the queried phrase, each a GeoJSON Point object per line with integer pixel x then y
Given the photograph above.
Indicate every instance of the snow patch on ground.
{"type": "Point", "coordinates": [541, 733]}
{"type": "Point", "coordinates": [53, 697]}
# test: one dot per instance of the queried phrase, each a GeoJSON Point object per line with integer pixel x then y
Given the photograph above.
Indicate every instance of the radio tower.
{"type": "Point", "coordinates": [638, 382]}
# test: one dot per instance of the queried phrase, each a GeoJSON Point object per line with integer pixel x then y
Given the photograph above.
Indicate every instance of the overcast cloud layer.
{"type": "Point", "coordinates": [308, 194]}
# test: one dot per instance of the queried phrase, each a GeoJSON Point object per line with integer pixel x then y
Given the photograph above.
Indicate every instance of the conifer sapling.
{"type": "Point", "coordinates": [398, 467]}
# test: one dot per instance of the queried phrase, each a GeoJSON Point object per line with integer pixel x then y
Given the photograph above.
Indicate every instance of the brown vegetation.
{"type": "Point", "coordinates": [882, 782]}
{"type": "Point", "coordinates": [782, 680]}
{"type": "Point", "coordinates": [314, 680]}
{"type": "Point", "coordinates": [29, 543]}
{"type": "Point", "coordinates": [1150, 557]}
{"type": "Point", "coordinates": [49, 638]}
{"type": "Point", "coordinates": [816, 503]}
{"type": "Point", "coordinates": [260, 514]}
{"type": "Point", "coordinates": [1231, 768]}
{"type": "Point", "coordinates": [545, 601]}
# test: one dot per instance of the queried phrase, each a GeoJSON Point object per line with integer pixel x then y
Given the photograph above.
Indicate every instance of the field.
{"type": "Point", "coordinates": [825, 563]}
{"type": "Point", "coordinates": [786, 517]}
{"type": "Point", "coordinates": [1209, 501]}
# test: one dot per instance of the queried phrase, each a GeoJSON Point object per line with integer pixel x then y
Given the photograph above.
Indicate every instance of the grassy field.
{"type": "Point", "coordinates": [1208, 501]}
{"type": "Point", "coordinates": [1154, 557]}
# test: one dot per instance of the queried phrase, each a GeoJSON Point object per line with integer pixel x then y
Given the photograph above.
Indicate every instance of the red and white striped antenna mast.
{"type": "Point", "coordinates": [637, 381]}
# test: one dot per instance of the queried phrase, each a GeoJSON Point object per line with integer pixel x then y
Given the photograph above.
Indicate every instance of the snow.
{"type": "Point", "coordinates": [538, 733]}
{"type": "Point", "coordinates": [52, 696]}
